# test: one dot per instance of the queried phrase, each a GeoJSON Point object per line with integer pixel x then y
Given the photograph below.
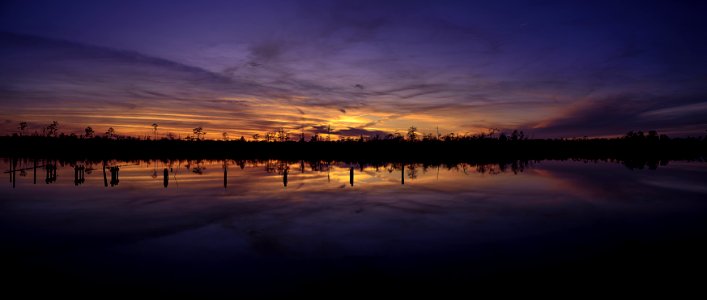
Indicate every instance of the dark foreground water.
{"type": "Point", "coordinates": [272, 228]}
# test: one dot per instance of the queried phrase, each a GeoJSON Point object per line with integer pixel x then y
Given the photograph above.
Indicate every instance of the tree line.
{"type": "Point", "coordinates": [412, 134]}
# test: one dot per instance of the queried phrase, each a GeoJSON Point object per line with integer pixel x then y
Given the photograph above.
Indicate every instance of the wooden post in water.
{"type": "Point", "coordinates": [402, 174]}
{"type": "Point", "coordinates": [35, 171]}
{"type": "Point", "coordinates": [351, 176]}
{"type": "Point", "coordinates": [13, 172]}
{"type": "Point", "coordinates": [105, 179]}
{"type": "Point", "coordinates": [114, 180]}
{"type": "Point", "coordinates": [225, 176]}
{"type": "Point", "coordinates": [54, 169]}
{"type": "Point", "coordinates": [166, 177]}
{"type": "Point", "coordinates": [284, 178]}
{"type": "Point", "coordinates": [51, 172]}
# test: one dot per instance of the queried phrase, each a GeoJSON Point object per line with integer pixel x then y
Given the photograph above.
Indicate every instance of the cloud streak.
{"type": "Point", "coordinates": [611, 116]}
{"type": "Point", "coordinates": [361, 67]}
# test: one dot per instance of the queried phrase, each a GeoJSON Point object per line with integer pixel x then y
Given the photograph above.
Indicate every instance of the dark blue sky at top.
{"type": "Point", "coordinates": [553, 68]}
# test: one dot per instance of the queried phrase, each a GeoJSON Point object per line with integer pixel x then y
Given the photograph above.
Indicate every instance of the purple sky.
{"type": "Point", "coordinates": [551, 68]}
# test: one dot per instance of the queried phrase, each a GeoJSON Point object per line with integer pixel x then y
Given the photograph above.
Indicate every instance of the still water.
{"type": "Point", "coordinates": [272, 227]}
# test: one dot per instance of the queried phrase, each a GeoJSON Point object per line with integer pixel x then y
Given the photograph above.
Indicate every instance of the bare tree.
{"type": "Point", "coordinates": [110, 133]}
{"type": "Point", "coordinates": [22, 127]}
{"type": "Point", "coordinates": [199, 132]}
{"type": "Point", "coordinates": [89, 132]}
{"type": "Point", "coordinates": [282, 135]}
{"type": "Point", "coordinates": [52, 128]}
{"type": "Point", "coordinates": [412, 133]}
{"type": "Point", "coordinates": [270, 136]}
{"type": "Point", "coordinates": [493, 131]}
{"type": "Point", "coordinates": [225, 136]}
{"type": "Point", "coordinates": [154, 129]}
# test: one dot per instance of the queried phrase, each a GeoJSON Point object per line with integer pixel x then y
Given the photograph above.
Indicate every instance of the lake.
{"type": "Point", "coordinates": [272, 228]}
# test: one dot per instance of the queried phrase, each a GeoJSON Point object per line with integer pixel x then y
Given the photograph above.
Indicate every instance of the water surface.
{"type": "Point", "coordinates": [273, 227]}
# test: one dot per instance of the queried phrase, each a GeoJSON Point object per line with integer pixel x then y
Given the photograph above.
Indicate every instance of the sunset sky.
{"type": "Point", "coordinates": [551, 68]}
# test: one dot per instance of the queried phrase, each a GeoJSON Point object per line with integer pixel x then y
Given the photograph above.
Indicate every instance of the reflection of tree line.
{"type": "Point", "coordinates": [50, 168]}
{"type": "Point", "coordinates": [198, 167]}
{"type": "Point", "coordinates": [273, 166]}
{"type": "Point", "coordinates": [79, 174]}
{"type": "Point", "coordinates": [409, 170]}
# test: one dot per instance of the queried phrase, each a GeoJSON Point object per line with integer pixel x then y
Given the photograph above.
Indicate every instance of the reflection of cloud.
{"type": "Point", "coordinates": [597, 182]}
{"type": "Point", "coordinates": [378, 209]}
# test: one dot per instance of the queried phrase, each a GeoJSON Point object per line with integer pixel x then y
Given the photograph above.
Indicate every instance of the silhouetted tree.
{"type": "Point", "coordinates": [199, 132]}
{"type": "Point", "coordinates": [652, 136]}
{"type": "Point", "coordinates": [282, 135]}
{"type": "Point", "coordinates": [225, 136]}
{"type": "Point", "coordinates": [52, 128]}
{"type": "Point", "coordinates": [256, 137]}
{"type": "Point", "coordinates": [269, 136]}
{"type": "Point", "coordinates": [89, 132]}
{"type": "Point", "coordinates": [22, 127]}
{"type": "Point", "coordinates": [412, 133]}
{"type": "Point", "coordinates": [154, 129]}
{"type": "Point", "coordinates": [110, 132]}
{"type": "Point", "coordinates": [492, 132]}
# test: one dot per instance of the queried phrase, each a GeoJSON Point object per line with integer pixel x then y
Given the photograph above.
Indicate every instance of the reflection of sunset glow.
{"type": "Point", "coordinates": [266, 177]}
{"type": "Point", "coordinates": [319, 216]}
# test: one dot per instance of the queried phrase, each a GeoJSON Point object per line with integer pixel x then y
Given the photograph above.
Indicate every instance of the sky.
{"type": "Point", "coordinates": [550, 68]}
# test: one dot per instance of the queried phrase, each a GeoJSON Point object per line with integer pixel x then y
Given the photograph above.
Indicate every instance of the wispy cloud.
{"type": "Point", "coordinates": [553, 68]}
{"type": "Point", "coordinates": [614, 115]}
